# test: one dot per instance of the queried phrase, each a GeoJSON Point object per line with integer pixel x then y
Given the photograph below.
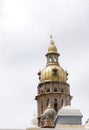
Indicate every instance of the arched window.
{"type": "Point", "coordinates": [55, 104]}
{"type": "Point", "coordinates": [55, 58]}
{"type": "Point", "coordinates": [62, 102]}
{"type": "Point", "coordinates": [50, 59]}
{"type": "Point", "coordinates": [41, 107]}
{"type": "Point", "coordinates": [47, 102]}
{"type": "Point", "coordinates": [38, 91]}
{"type": "Point", "coordinates": [55, 89]}
{"type": "Point", "coordinates": [62, 90]}
{"type": "Point", "coordinates": [48, 90]}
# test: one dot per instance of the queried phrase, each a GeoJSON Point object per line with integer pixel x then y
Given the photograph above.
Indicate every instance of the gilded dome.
{"type": "Point", "coordinates": [53, 73]}
{"type": "Point", "coordinates": [49, 113]}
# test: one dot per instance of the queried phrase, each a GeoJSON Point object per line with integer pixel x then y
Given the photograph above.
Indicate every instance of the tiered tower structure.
{"type": "Point", "coordinates": [53, 88]}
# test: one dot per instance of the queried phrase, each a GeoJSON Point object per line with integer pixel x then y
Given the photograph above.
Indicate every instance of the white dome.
{"type": "Point", "coordinates": [34, 120]}
{"type": "Point", "coordinates": [33, 123]}
{"type": "Point", "coordinates": [69, 111]}
{"type": "Point", "coordinates": [49, 113]}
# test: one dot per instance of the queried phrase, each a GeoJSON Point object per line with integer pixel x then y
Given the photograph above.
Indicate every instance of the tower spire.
{"type": "Point", "coordinates": [51, 36]}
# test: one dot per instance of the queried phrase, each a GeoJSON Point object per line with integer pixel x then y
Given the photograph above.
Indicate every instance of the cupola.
{"type": "Point", "coordinates": [53, 71]}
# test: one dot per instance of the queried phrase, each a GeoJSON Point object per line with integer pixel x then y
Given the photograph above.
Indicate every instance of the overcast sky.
{"type": "Point", "coordinates": [25, 26]}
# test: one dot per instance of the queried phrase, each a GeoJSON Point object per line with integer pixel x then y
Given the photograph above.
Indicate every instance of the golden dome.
{"type": "Point", "coordinates": [53, 73]}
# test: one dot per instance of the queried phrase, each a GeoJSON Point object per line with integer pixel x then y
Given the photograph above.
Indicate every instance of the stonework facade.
{"type": "Point", "coordinates": [53, 92]}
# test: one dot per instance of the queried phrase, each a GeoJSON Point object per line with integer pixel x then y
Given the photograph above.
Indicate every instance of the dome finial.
{"type": "Point", "coordinates": [51, 37]}
{"type": "Point", "coordinates": [51, 40]}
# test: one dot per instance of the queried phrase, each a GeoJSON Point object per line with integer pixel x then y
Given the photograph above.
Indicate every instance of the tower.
{"type": "Point", "coordinates": [53, 88]}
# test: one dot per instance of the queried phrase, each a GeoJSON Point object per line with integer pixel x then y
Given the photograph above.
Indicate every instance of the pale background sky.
{"type": "Point", "coordinates": [25, 26]}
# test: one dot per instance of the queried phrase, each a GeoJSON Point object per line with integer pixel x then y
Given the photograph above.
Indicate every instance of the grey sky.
{"type": "Point", "coordinates": [25, 26]}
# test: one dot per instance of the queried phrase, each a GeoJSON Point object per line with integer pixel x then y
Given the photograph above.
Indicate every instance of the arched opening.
{"type": "Point", "coordinates": [55, 89]}
{"type": "Point", "coordinates": [48, 90]}
{"type": "Point", "coordinates": [47, 102]}
{"type": "Point", "coordinates": [55, 104]}
{"type": "Point", "coordinates": [62, 102]}
{"type": "Point", "coordinates": [62, 90]}
{"type": "Point", "coordinates": [50, 59]}
{"type": "Point", "coordinates": [38, 91]}
{"type": "Point", "coordinates": [41, 107]}
{"type": "Point", "coordinates": [55, 59]}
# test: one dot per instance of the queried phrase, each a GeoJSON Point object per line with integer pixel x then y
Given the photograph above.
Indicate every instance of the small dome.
{"type": "Point", "coordinates": [54, 73]}
{"type": "Point", "coordinates": [49, 113]}
{"type": "Point", "coordinates": [33, 123]}
{"type": "Point", "coordinates": [34, 120]}
{"type": "Point", "coordinates": [52, 48]}
{"type": "Point", "coordinates": [69, 111]}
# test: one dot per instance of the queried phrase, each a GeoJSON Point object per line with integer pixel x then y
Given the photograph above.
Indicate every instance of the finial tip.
{"type": "Point", "coordinates": [51, 40]}
{"type": "Point", "coordinates": [51, 36]}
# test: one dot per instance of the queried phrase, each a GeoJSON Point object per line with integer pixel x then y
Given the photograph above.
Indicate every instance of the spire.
{"type": "Point", "coordinates": [51, 37]}
{"type": "Point", "coordinates": [52, 48]}
{"type": "Point", "coordinates": [51, 40]}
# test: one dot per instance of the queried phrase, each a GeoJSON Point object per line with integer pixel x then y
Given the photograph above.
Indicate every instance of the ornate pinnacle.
{"type": "Point", "coordinates": [51, 38]}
